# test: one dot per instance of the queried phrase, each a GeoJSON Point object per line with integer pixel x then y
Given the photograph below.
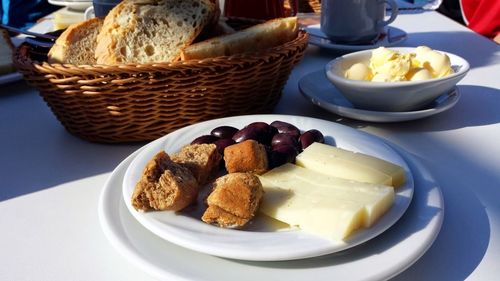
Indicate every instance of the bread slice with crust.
{"type": "Point", "coordinates": [255, 38]}
{"type": "Point", "coordinates": [76, 45]}
{"type": "Point", "coordinates": [142, 31]}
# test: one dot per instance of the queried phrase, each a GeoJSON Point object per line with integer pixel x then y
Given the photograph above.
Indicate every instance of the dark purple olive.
{"type": "Point", "coordinates": [259, 125]}
{"type": "Point", "coordinates": [286, 128]}
{"type": "Point", "coordinates": [267, 132]}
{"type": "Point", "coordinates": [224, 132]}
{"type": "Point", "coordinates": [246, 134]}
{"type": "Point", "coordinates": [282, 154]}
{"type": "Point", "coordinates": [307, 138]}
{"type": "Point", "coordinates": [204, 139]}
{"type": "Point", "coordinates": [258, 131]}
{"type": "Point", "coordinates": [223, 143]}
{"type": "Point", "coordinates": [284, 139]}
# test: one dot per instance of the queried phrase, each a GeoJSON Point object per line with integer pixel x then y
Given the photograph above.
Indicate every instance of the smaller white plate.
{"type": "Point", "coordinates": [390, 37]}
{"type": "Point", "coordinates": [316, 87]}
{"type": "Point", "coordinates": [75, 5]}
{"type": "Point", "coordinates": [272, 241]}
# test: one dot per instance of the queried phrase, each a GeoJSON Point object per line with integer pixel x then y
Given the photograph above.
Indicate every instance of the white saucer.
{"type": "Point", "coordinates": [74, 5]}
{"type": "Point", "coordinates": [390, 37]}
{"type": "Point", "coordinates": [380, 258]}
{"type": "Point", "coordinates": [316, 87]}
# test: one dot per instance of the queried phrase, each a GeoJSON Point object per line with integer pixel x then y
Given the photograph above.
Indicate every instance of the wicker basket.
{"type": "Point", "coordinates": [126, 103]}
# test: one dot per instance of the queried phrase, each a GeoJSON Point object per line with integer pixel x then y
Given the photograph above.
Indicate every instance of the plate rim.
{"type": "Point", "coordinates": [369, 115]}
{"type": "Point", "coordinates": [316, 246]}
{"type": "Point", "coordinates": [114, 218]}
{"type": "Point", "coordinates": [77, 5]}
{"type": "Point", "coordinates": [317, 40]}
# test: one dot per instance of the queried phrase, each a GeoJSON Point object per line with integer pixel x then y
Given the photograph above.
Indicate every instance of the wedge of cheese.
{"type": "Point", "coordinates": [323, 205]}
{"type": "Point", "coordinates": [346, 164]}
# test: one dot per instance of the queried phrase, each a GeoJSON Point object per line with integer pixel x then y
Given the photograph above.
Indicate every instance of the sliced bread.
{"type": "Point", "coordinates": [256, 38]}
{"type": "Point", "coordinates": [142, 31]}
{"type": "Point", "coordinates": [76, 45]}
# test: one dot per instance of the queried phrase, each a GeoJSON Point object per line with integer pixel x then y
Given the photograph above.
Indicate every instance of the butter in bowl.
{"type": "Point", "coordinates": [396, 79]}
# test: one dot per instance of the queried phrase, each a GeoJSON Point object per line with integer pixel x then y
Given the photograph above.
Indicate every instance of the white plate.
{"type": "Point", "coordinates": [378, 259]}
{"type": "Point", "coordinates": [316, 87]}
{"type": "Point", "coordinates": [187, 230]}
{"type": "Point", "coordinates": [390, 37]}
{"type": "Point", "coordinates": [75, 5]}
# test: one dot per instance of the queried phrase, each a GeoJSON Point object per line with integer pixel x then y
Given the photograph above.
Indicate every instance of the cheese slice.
{"type": "Point", "coordinates": [346, 164]}
{"type": "Point", "coordinates": [323, 205]}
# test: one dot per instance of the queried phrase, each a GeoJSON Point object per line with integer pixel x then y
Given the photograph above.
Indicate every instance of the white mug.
{"type": "Point", "coordinates": [355, 21]}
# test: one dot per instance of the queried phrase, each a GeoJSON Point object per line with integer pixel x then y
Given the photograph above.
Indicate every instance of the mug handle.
{"type": "Point", "coordinates": [89, 13]}
{"type": "Point", "coordinates": [294, 6]}
{"type": "Point", "coordinates": [394, 12]}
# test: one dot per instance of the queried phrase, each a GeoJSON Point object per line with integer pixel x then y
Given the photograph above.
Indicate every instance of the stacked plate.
{"type": "Point", "coordinates": [180, 246]}
{"type": "Point", "coordinates": [76, 5]}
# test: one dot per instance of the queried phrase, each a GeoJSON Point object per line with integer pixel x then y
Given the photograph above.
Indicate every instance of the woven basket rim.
{"type": "Point", "coordinates": [22, 59]}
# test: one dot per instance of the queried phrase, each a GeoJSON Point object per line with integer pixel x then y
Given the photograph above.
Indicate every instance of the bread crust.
{"type": "Point", "coordinates": [164, 185]}
{"type": "Point", "coordinates": [234, 200]}
{"type": "Point", "coordinates": [253, 39]}
{"type": "Point", "coordinates": [76, 45]}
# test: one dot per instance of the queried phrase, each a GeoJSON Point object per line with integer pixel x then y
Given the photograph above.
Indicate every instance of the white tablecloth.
{"type": "Point", "coordinates": [50, 180]}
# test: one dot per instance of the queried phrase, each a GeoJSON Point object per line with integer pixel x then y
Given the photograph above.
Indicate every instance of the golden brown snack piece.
{"type": "Point", "coordinates": [164, 185]}
{"type": "Point", "coordinates": [246, 156]}
{"type": "Point", "coordinates": [234, 200]}
{"type": "Point", "coordinates": [201, 159]}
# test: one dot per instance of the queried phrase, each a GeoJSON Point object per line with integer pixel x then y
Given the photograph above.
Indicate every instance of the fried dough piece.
{"type": "Point", "coordinates": [201, 159]}
{"type": "Point", "coordinates": [164, 185]}
{"type": "Point", "coordinates": [246, 156]}
{"type": "Point", "coordinates": [234, 200]}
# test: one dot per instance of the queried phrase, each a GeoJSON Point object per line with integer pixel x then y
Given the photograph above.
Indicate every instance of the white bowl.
{"type": "Point", "coordinates": [392, 96]}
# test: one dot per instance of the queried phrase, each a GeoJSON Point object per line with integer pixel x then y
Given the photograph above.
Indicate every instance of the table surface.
{"type": "Point", "coordinates": [51, 180]}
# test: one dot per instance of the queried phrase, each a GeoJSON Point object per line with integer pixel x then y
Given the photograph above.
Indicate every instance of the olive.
{"type": "Point", "coordinates": [282, 154]}
{"type": "Point", "coordinates": [224, 132]}
{"type": "Point", "coordinates": [286, 128]}
{"type": "Point", "coordinates": [204, 139]}
{"type": "Point", "coordinates": [307, 138]}
{"type": "Point", "coordinates": [284, 139]}
{"type": "Point", "coordinates": [222, 144]}
{"type": "Point", "coordinates": [258, 131]}
{"type": "Point", "coordinates": [267, 132]}
{"type": "Point", "coordinates": [246, 134]}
